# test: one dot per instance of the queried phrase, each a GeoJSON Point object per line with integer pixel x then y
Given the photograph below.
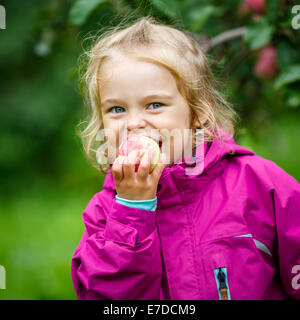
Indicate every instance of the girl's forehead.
{"type": "Point", "coordinates": [130, 68]}
{"type": "Point", "coordinates": [142, 54]}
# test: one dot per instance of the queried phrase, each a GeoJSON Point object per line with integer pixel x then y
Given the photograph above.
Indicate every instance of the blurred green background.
{"type": "Point", "coordinates": [46, 180]}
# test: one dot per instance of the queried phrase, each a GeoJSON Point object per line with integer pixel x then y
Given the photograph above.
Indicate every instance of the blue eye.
{"type": "Point", "coordinates": [156, 103]}
{"type": "Point", "coordinates": [116, 108]}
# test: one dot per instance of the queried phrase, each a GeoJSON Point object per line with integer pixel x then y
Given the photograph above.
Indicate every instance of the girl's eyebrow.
{"type": "Point", "coordinates": [151, 96]}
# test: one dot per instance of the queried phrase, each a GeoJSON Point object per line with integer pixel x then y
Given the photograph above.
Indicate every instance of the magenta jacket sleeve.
{"type": "Point", "coordinates": [286, 201]}
{"type": "Point", "coordinates": [119, 254]}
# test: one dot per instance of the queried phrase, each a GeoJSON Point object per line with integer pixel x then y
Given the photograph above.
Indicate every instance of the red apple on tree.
{"type": "Point", "coordinates": [266, 66]}
{"type": "Point", "coordinates": [258, 6]}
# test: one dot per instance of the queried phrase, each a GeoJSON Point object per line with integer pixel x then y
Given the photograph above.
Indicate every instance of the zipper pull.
{"type": "Point", "coordinates": [223, 287]}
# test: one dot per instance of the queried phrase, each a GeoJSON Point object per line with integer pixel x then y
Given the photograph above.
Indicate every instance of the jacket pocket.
{"type": "Point", "coordinates": [216, 275]}
{"type": "Point", "coordinates": [245, 267]}
{"type": "Point", "coordinates": [222, 283]}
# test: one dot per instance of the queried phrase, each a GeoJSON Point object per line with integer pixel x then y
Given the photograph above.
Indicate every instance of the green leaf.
{"type": "Point", "coordinates": [288, 75]}
{"type": "Point", "coordinates": [273, 9]}
{"type": "Point", "coordinates": [286, 54]}
{"type": "Point", "coordinates": [81, 9]}
{"type": "Point", "coordinates": [198, 16]}
{"type": "Point", "coordinates": [292, 98]}
{"type": "Point", "coordinates": [258, 33]}
{"type": "Point", "coordinates": [170, 8]}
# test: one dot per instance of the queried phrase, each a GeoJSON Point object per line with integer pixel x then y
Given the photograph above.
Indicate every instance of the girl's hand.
{"type": "Point", "coordinates": [140, 185]}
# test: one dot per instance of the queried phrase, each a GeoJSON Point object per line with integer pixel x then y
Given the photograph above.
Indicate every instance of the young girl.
{"type": "Point", "coordinates": [230, 232]}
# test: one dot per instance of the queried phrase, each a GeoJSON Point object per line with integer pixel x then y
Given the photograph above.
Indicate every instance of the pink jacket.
{"type": "Point", "coordinates": [231, 232]}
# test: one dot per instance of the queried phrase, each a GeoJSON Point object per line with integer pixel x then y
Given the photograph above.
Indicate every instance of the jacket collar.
{"type": "Point", "coordinates": [205, 163]}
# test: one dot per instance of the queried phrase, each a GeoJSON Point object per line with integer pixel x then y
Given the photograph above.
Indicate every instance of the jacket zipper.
{"type": "Point", "coordinates": [221, 279]}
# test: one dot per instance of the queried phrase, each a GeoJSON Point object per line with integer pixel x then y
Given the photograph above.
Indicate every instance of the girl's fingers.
{"type": "Point", "coordinates": [116, 168]}
{"type": "Point", "coordinates": [129, 164]}
{"type": "Point", "coordinates": [144, 167]}
{"type": "Point", "coordinates": [157, 171]}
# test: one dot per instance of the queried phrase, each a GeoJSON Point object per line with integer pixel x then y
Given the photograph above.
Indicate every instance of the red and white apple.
{"type": "Point", "coordinates": [143, 143]}
{"type": "Point", "coordinates": [266, 65]}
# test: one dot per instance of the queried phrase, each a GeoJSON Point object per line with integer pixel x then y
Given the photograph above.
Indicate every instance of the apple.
{"type": "Point", "coordinates": [266, 65]}
{"type": "Point", "coordinates": [144, 144]}
{"type": "Point", "coordinates": [257, 6]}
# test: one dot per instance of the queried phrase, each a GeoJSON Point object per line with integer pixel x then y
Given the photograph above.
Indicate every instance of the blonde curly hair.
{"type": "Point", "coordinates": [154, 41]}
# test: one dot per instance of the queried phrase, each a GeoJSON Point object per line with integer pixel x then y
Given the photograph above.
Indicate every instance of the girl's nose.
{"type": "Point", "coordinates": [135, 121]}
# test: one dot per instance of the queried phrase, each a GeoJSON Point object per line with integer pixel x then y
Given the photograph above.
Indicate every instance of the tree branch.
{"type": "Point", "coordinates": [207, 44]}
{"type": "Point", "coordinates": [225, 36]}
